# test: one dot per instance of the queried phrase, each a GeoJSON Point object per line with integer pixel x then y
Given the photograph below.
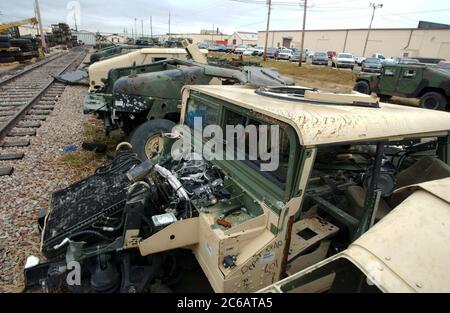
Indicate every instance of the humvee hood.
{"type": "Point", "coordinates": [318, 124]}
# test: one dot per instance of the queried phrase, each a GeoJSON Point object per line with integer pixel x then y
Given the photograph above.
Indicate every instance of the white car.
{"type": "Point", "coordinates": [343, 60]}
{"type": "Point", "coordinates": [285, 54]}
{"type": "Point", "coordinates": [248, 52]}
{"type": "Point", "coordinates": [240, 49]}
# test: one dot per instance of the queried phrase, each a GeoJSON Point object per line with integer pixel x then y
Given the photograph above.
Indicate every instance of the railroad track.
{"type": "Point", "coordinates": [27, 98]}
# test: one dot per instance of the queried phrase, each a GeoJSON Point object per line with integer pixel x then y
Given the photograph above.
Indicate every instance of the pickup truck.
{"type": "Point", "coordinates": [428, 83]}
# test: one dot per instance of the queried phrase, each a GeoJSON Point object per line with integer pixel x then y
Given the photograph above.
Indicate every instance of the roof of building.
{"type": "Point", "coordinates": [247, 35]}
{"type": "Point", "coordinates": [352, 29]}
{"type": "Point", "coordinates": [318, 124]}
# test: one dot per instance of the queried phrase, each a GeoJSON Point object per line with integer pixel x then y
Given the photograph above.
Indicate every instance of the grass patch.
{"type": "Point", "coordinates": [322, 77]}
{"type": "Point", "coordinates": [84, 162]}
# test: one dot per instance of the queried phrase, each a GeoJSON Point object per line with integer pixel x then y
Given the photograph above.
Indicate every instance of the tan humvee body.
{"type": "Point", "coordinates": [407, 251]}
{"type": "Point", "coordinates": [99, 70]}
{"type": "Point", "coordinates": [261, 253]}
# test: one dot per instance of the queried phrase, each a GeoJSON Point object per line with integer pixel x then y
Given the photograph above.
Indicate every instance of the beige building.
{"type": "Point", "coordinates": [391, 42]}
{"type": "Point", "coordinates": [196, 38]}
{"type": "Point", "coordinates": [243, 38]}
{"type": "Point", "coordinates": [117, 39]}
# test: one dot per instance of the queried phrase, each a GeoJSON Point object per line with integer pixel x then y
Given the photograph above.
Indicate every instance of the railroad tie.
{"type": "Point", "coordinates": [6, 170]}
{"type": "Point", "coordinates": [11, 156]}
{"type": "Point", "coordinates": [28, 124]}
{"type": "Point", "coordinates": [22, 133]}
{"type": "Point", "coordinates": [17, 143]}
{"type": "Point", "coordinates": [35, 118]}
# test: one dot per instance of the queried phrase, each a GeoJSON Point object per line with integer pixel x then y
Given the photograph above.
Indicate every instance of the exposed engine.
{"type": "Point", "coordinates": [99, 220]}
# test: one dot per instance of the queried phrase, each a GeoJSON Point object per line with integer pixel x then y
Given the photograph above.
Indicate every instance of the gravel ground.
{"type": "Point", "coordinates": [35, 177]}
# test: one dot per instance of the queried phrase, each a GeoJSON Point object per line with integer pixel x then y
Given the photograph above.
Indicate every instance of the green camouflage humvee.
{"type": "Point", "coordinates": [429, 83]}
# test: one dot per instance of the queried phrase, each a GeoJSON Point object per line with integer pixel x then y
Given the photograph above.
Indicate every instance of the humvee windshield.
{"type": "Point", "coordinates": [238, 145]}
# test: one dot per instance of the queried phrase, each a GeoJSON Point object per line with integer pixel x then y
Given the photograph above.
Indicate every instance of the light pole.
{"type": "Point", "coordinates": [374, 7]}
{"type": "Point", "coordinates": [269, 4]}
{"type": "Point", "coordinates": [305, 3]}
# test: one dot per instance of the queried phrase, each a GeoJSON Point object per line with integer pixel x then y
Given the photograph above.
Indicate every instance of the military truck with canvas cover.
{"type": "Point", "coordinates": [429, 83]}
{"type": "Point", "coordinates": [249, 219]}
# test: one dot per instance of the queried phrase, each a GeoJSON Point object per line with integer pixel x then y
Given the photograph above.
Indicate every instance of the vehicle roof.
{"type": "Point", "coordinates": [408, 249]}
{"type": "Point", "coordinates": [318, 124]}
{"type": "Point", "coordinates": [166, 51]}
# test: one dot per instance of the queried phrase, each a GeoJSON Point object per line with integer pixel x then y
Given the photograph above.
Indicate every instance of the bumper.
{"type": "Point", "coordinates": [371, 70]}
{"type": "Point", "coordinates": [96, 102]}
{"type": "Point", "coordinates": [347, 65]}
{"type": "Point", "coordinates": [320, 62]}
{"type": "Point", "coordinates": [284, 57]}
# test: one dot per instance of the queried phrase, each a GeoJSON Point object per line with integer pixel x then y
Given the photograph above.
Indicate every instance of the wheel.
{"type": "Point", "coordinates": [7, 59]}
{"type": "Point", "coordinates": [5, 44]}
{"type": "Point", "coordinates": [145, 138]}
{"type": "Point", "coordinates": [433, 100]}
{"type": "Point", "coordinates": [362, 87]}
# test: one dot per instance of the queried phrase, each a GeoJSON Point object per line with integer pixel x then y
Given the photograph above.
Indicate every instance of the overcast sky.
{"type": "Point", "coordinates": [189, 16]}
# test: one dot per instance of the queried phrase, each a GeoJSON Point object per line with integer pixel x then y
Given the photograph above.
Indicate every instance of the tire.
{"type": "Point", "coordinates": [5, 44]}
{"type": "Point", "coordinates": [433, 100]}
{"type": "Point", "coordinates": [144, 136]}
{"type": "Point", "coordinates": [7, 60]}
{"type": "Point", "coordinates": [362, 87]}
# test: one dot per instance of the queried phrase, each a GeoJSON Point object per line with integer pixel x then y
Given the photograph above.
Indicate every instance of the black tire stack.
{"type": "Point", "coordinates": [6, 53]}
{"type": "Point", "coordinates": [26, 47]}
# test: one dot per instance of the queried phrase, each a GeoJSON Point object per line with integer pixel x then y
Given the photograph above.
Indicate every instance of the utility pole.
{"type": "Point", "coordinates": [269, 4]}
{"type": "Point", "coordinates": [151, 27]}
{"type": "Point", "coordinates": [212, 34]}
{"type": "Point", "coordinates": [135, 30]}
{"type": "Point", "coordinates": [305, 4]}
{"type": "Point", "coordinates": [41, 29]}
{"type": "Point", "coordinates": [142, 28]}
{"type": "Point", "coordinates": [75, 20]}
{"type": "Point", "coordinates": [374, 7]}
{"type": "Point", "coordinates": [169, 25]}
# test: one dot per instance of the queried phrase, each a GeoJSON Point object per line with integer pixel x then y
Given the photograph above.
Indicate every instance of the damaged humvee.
{"type": "Point", "coordinates": [136, 98]}
{"type": "Point", "coordinates": [132, 225]}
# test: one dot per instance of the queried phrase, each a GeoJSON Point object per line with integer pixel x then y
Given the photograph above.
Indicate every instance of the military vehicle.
{"type": "Point", "coordinates": [388, 258]}
{"type": "Point", "coordinates": [133, 225]}
{"type": "Point", "coordinates": [136, 98]}
{"type": "Point", "coordinates": [429, 83]}
{"type": "Point", "coordinates": [98, 72]}
{"type": "Point", "coordinates": [111, 51]}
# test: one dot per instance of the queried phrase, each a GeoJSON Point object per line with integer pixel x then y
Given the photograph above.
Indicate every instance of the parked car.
{"type": "Point", "coordinates": [359, 60]}
{"type": "Point", "coordinates": [249, 51]}
{"type": "Point", "coordinates": [371, 65]}
{"type": "Point", "coordinates": [285, 54]}
{"type": "Point", "coordinates": [259, 51]}
{"type": "Point", "coordinates": [218, 48]}
{"type": "Point", "coordinates": [202, 45]}
{"type": "Point", "coordinates": [296, 57]}
{"type": "Point", "coordinates": [343, 60]}
{"type": "Point", "coordinates": [319, 58]}
{"type": "Point", "coordinates": [230, 48]}
{"type": "Point", "coordinates": [240, 49]}
{"type": "Point", "coordinates": [378, 56]}
{"type": "Point", "coordinates": [444, 64]}
{"type": "Point", "coordinates": [406, 61]}
{"type": "Point", "coordinates": [272, 53]}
